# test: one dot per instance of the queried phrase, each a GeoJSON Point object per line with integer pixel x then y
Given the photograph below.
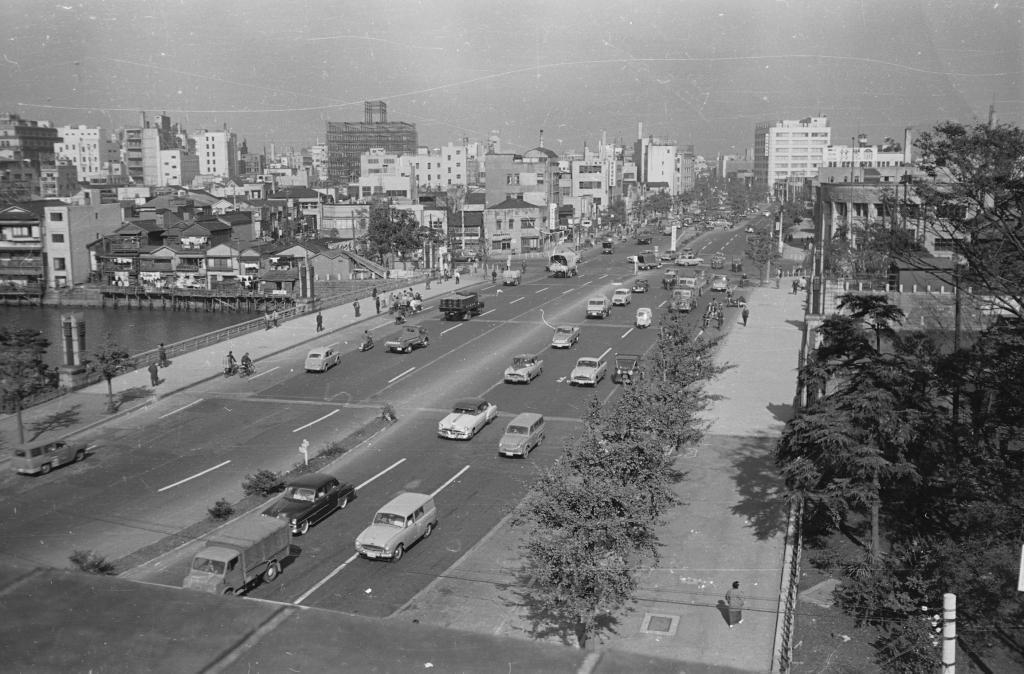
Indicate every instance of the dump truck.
{"type": "Point", "coordinates": [461, 305]}
{"type": "Point", "coordinates": [240, 555]}
{"type": "Point", "coordinates": [564, 261]}
{"type": "Point", "coordinates": [511, 277]}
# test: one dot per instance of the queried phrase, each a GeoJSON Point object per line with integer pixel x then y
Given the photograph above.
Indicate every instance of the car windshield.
{"type": "Point", "coordinates": [564, 331]}
{"type": "Point", "coordinates": [521, 361]}
{"type": "Point", "coordinates": [462, 409]}
{"type": "Point", "coordinates": [389, 519]}
{"type": "Point", "coordinates": [585, 362]}
{"type": "Point", "coordinates": [299, 494]}
{"type": "Point", "coordinates": [517, 430]}
{"type": "Point", "coordinates": [208, 565]}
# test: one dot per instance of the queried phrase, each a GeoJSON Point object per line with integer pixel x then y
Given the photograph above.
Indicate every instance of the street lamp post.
{"type": "Point", "coordinates": [959, 264]}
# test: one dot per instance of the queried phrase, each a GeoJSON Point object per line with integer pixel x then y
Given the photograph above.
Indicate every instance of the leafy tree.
{"type": "Point", "coordinates": [22, 370]}
{"type": "Point", "coordinates": [392, 232]}
{"type": "Point", "coordinates": [762, 250]}
{"type": "Point", "coordinates": [110, 361]}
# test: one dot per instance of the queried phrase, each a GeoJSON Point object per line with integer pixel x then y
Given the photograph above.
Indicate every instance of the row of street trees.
{"type": "Point", "coordinates": [593, 515]}
{"type": "Point", "coordinates": [917, 450]}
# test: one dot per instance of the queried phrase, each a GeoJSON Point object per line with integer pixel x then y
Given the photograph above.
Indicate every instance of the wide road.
{"type": "Point", "coordinates": [158, 470]}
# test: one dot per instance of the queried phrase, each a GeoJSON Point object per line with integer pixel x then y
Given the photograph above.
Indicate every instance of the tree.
{"type": "Point", "coordinates": [110, 361]}
{"type": "Point", "coordinates": [22, 370]}
{"type": "Point", "coordinates": [762, 250]}
{"type": "Point", "coordinates": [392, 232]}
{"type": "Point", "coordinates": [455, 201]}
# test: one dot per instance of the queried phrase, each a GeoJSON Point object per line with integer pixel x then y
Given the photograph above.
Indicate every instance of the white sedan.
{"type": "Point", "coordinates": [689, 261]}
{"type": "Point", "coordinates": [467, 418]}
{"type": "Point", "coordinates": [644, 317]}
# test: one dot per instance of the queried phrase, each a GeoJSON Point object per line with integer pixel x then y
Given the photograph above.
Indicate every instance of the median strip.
{"type": "Point", "coordinates": [316, 421]}
{"type": "Point", "coordinates": [199, 474]}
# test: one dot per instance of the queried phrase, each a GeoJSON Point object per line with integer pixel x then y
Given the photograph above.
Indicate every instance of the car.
{"type": "Point", "coordinates": [565, 337]}
{"type": "Point", "coordinates": [630, 259]}
{"type": "Point", "coordinates": [667, 256]}
{"type": "Point", "coordinates": [398, 525]}
{"type": "Point", "coordinates": [644, 317]}
{"type": "Point", "coordinates": [598, 307]}
{"type": "Point", "coordinates": [641, 285]}
{"type": "Point", "coordinates": [627, 368]}
{"type": "Point", "coordinates": [524, 369]}
{"type": "Point", "coordinates": [41, 457]}
{"type": "Point", "coordinates": [689, 260]}
{"type": "Point", "coordinates": [322, 358]}
{"type": "Point", "coordinates": [589, 371]}
{"type": "Point", "coordinates": [467, 418]}
{"type": "Point", "coordinates": [309, 498]}
{"type": "Point", "coordinates": [621, 297]}
{"type": "Point", "coordinates": [719, 284]}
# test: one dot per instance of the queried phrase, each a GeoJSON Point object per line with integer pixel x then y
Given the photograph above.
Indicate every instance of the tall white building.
{"type": "Point", "coordinates": [218, 153]}
{"type": "Point", "coordinates": [177, 167]}
{"type": "Point", "coordinates": [90, 150]}
{"type": "Point", "coordinates": [789, 148]}
{"type": "Point", "coordinates": [655, 163]}
{"type": "Point", "coordinates": [444, 167]}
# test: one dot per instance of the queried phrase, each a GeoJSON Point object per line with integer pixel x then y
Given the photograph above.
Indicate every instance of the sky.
{"type": "Point", "coordinates": [699, 72]}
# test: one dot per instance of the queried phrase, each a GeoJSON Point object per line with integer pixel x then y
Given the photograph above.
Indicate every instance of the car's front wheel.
{"type": "Point", "coordinates": [79, 455]}
{"type": "Point", "coordinates": [304, 527]}
{"type": "Point", "coordinates": [399, 551]}
{"type": "Point", "coordinates": [44, 469]}
{"type": "Point", "coordinates": [342, 502]}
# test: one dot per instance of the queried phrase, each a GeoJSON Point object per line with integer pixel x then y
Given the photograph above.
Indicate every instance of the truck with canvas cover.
{"type": "Point", "coordinates": [563, 262]}
{"type": "Point", "coordinates": [511, 277]}
{"type": "Point", "coordinates": [461, 305]}
{"type": "Point", "coordinates": [240, 555]}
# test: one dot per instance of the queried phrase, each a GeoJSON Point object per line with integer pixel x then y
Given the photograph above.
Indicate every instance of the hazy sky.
{"type": "Point", "coordinates": [702, 72]}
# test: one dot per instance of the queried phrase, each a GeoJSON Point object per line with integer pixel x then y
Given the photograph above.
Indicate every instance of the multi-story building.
{"type": "Point", "coordinates": [67, 230]}
{"type": "Point", "coordinates": [217, 152]}
{"type": "Point", "coordinates": [19, 180]}
{"type": "Point", "coordinates": [443, 167]}
{"type": "Point", "coordinates": [57, 179]}
{"type": "Point", "coordinates": [141, 146]}
{"type": "Point", "coordinates": [23, 264]}
{"type": "Point", "coordinates": [656, 164]}
{"type": "Point", "coordinates": [865, 155]}
{"type": "Point", "coordinates": [686, 170]}
{"type": "Point", "coordinates": [789, 148]}
{"type": "Point", "coordinates": [347, 141]}
{"type": "Point", "coordinates": [531, 176]}
{"type": "Point", "coordinates": [516, 226]}
{"type": "Point", "coordinates": [177, 167]}
{"type": "Point", "coordinates": [26, 139]}
{"type": "Point", "coordinates": [318, 155]}
{"type": "Point", "coordinates": [91, 150]}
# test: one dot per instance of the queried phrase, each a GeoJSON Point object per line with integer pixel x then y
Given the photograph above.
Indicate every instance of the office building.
{"type": "Point", "coordinates": [347, 141]}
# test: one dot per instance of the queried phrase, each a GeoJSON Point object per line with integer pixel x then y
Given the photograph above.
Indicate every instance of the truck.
{"type": "Point", "coordinates": [240, 555]}
{"type": "Point", "coordinates": [598, 307]}
{"type": "Point", "coordinates": [411, 337]}
{"type": "Point", "coordinates": [682, 300]}
{"type": "Point", "coordinates": [511, 277]}
{"type": "Point", "coordinates": [647, 261]}
{"type": "Point", "coordinates": [461, 305]}
{"type": "Point", "coordinates": [607, 247]}
{"type": "Point", "coordinates": [563, 262]}
{"type": "Point", "coordinates": [644, 237]}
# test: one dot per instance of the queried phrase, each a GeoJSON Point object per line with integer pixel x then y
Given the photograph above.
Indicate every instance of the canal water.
{"type": "Point", "coordinates": [135, 330]}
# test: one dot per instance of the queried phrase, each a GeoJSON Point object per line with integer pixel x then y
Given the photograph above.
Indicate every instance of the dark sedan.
{"type": "Point", "coordinates": [307, 499]}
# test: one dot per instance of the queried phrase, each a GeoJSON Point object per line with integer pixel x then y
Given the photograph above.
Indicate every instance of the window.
{"type": "Point", "coordinates": [57, 238]}
{"type": "Point", "coordinates": [511, 224]}
{"type": "Point", "coordinates": [512, 179]}
{"type": "Point", "coordinates": [528, 223]}
{"type": "Point", "coordinates": [497, 224]}
{"type": "Point", "coordinates": [56, 217]}
{"type": "Point", "coordinates": [59, 264]}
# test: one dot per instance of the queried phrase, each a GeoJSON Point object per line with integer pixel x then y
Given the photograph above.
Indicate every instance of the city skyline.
{"type": "Point", "coordinates": [701, 73]}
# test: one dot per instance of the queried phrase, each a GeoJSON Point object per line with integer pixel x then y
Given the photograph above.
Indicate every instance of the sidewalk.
{"type": "Point", "coordinates": [730, 526]}
{"type": "Point", "coordinates": [86, 408]}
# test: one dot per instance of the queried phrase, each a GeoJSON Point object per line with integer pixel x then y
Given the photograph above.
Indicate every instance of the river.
{"type": "Point", "coordinates": [135, 330]}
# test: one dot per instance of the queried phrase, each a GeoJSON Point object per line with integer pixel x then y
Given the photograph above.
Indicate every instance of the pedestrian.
{"type": "Point", "coordinates": [778, 279]}
{"type": "Point", "coordinates": [457, 277]}
{"type": "Point", "coordinates": [376, 302]}
{"type": "Point", "coordinates": [154, 374]}
{"type": "Point", "coordinates": [266, 320]}
{"type": "Point", "coordinates": [374, 292]}
{"type": "Point", "coordinates": [428, 284]}
{"type": "Point", "coordinates": [162, 355]}
{"type": "Point", "coordinates": [274, 317]}
{"type": "Point", "coordinates": [355, 307]}
{"type": "Point", "coordinates": [319, 321]}
{"type": "Point", "coordinates": [746, 315]}
{"type": "Point", "coordinates": [796, 286]}
{"type": "Point", "coordinates": [734, 598]}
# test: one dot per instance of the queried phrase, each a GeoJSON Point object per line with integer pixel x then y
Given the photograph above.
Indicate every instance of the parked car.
{"type": "Point", "coordinates": [565, 337]}
{"type": "Point", "coordinates": [467, 418]}
{"type": "Point", "coordinates": [524, 369]}
{"type": "Point", "coordinates": [621, 297]}
{"type": "Point", "coordinates": [644, 317]}
{"type": "Point", "coordinates": [398, 525]}
{"type": "Point", "coordinates": [307, 499]}
{"type": "Point", "coordinates": [720, 284]}
{"type": "Point", "coordinates": [41, 457]}
{"type": "Point", "coordinates": [641, 285]}
{"type": "Point", "coordinates": [588, 371]}
{"type": "Point", "coordinates": [322, 358]}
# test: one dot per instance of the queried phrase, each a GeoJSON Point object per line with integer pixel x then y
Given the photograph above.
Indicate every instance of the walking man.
{"type": "Point", "coordinates": [154, 374]}
{"type": "Point", "coordinates": [746, 315]}
{"type": "Point", "coordinates": [266, 320]}
{"type": "Point", "coordinates": [319, 321]}
{"type": "Point", "coordinates": [796, 285]}
{"type": "Point", "coordinates": [376, 303]}
{"type": "Point", "coordinates": [162, 355]}
{"type": "Point", "coordinates": [274, 317]}
{"type": "Point", "coordinates": [355, 307]}
{"type": "Point", "coordinates": [734, 598]}
{"type": "Point", "coordinates": [456, 277]}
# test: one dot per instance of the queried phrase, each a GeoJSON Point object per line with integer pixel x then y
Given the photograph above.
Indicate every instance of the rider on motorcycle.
{"type": "Point", "coordinates": [367, 340]}
{"type": "Point", "coordinates": [247, 363]}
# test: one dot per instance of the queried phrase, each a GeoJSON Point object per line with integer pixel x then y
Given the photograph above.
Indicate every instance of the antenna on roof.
{"type": "Point", "coordinates": [541, 138]}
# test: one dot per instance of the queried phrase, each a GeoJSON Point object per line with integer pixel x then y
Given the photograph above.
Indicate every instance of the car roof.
{"type": "Point", "coordinates": [566, 327]}
{"type": "Point", "coordinates": [526, 418]}
{"type": "Point", "coordinates": [405, 503]}
{"type": "Point", "coordinates": [312, 480]}
{"type": "Point", "coordinates": [645, 309]}
{"type": "Point", "coordinates": [469, 402]}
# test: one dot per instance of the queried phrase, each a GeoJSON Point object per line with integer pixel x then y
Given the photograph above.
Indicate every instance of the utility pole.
{"type": "Point", "coordinates": [949, 633]}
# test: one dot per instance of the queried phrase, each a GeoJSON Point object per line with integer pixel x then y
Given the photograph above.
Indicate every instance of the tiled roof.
{"type": "Point", "coordinates": [509, 204]}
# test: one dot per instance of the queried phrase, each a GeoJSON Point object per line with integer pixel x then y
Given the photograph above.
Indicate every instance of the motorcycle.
{"type": "Point", "coordinates": [247, 370]}
{"type": "Point", "coordinates": [230, 369]}
{"type": "Point", "coordinates": [366, 344]}
{"type": "Point", "coordinates": [400, 318]}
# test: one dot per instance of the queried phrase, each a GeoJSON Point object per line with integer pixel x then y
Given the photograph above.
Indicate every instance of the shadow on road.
{"type": "Point", "coordinates": [760, 488]}
{"type": "Point", "coordinates": [56, 421]}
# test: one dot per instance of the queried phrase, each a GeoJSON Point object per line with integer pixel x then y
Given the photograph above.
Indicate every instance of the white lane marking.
{"type": "Point", "coordinates": [316, 421]}
{"type": "Point", "coordinates": [332, 574]}
{"type": "Point", "coordinates": [518, 299]}
{"type": "Point", "coordinates": [181, 409]}
{"type": "Point", "coordinates": [566, 292]}
{"type": "Point", "coordinates": [257, 376]}
{"type": "Point", "coordinates": [192, 477]}
{"type": "Point", "coordinates": [541, 290]}
{"type": "Point", "coordinates": [394, 465]}
{"type": "Point", "coordinates": [602, 276]}
{"type": "Point", "coordinates": [586, 283]}
{"type": "Point", "coordinates": [459, 325]}
{"type": "Point", "coordinates": [489, 311]}
{"type": "Point", "coordinates": [626, 333]}
{"type": "Point", "coordinates": [453, 478]}
{"type": "Point", "coordinates": [663, 304]}
{"type": "Point", "coordinates": [399, 376]}
{"type": "Point", "coordinates": [605, 352]}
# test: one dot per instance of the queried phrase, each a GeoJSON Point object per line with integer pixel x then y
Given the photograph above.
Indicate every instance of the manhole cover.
{"type": "Point", "coordinates": [655, 623]}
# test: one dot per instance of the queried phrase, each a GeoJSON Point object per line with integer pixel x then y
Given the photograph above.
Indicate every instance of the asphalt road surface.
{"type": "Point", "coordinates": [158, 470]}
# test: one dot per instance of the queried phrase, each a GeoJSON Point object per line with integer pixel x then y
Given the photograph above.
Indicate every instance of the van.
{"type": "Point", "coordinates": [598, 307]}
{"type": "Point", "coordinates": [42, 457]}
{"type": "Point", "coordinates": [322, 358]}
{"type": "Point", "coordinates": [522, 435]}
{"type": "Point", "coordinates": [397, 525]}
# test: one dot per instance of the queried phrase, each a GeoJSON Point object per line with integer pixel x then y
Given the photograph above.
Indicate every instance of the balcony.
{"type": "Point", "coordinates": [30, 266]}
{"type": "Point", "coordinates": [107, 265]}
{"type": "Point", "coordinates": [186, 268]}
{"type": "Point", "coordinates": [154, 266]}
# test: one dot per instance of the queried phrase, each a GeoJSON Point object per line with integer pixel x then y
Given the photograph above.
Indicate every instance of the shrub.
{"type": "Point", "coordinates": [90, 562]}
{"type": "Point", "coordinates": [263, 482]}
{"type": "Point", "coordinates": [221, 510]}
